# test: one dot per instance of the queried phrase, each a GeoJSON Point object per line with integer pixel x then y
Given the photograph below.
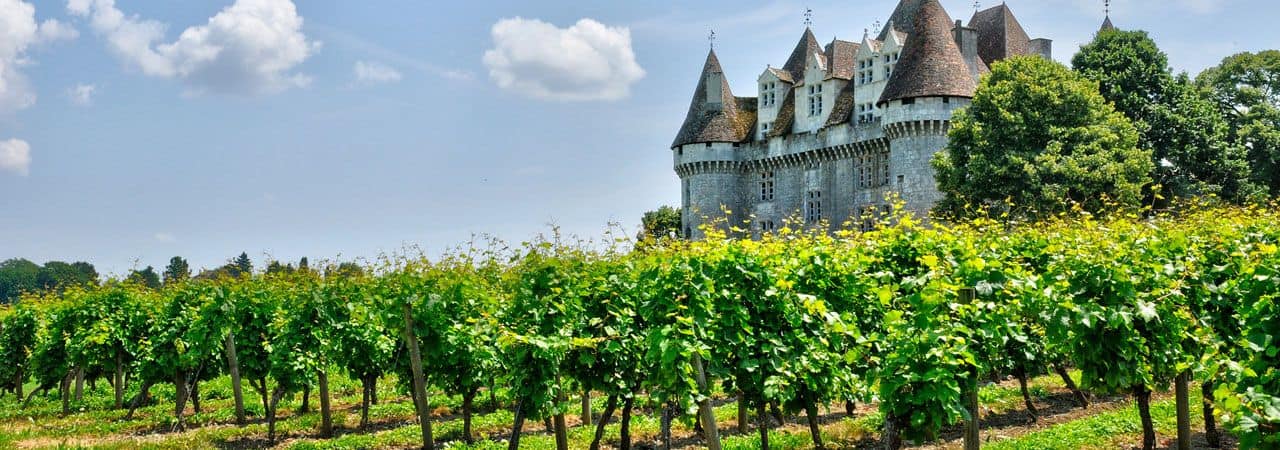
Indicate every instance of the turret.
{"type": "Point", "coordinates": [706, 148]}
{"type": "Point", "coordinates": [931, 81]}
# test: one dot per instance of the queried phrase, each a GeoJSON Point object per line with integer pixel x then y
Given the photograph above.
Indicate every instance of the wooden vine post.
{"type": "Point", "coordinates": [971, 437]}
{"type": "Point", "coordinates": [419, 383]}
{"type": "Point", "coordinates": [712, 433]}
{"type": "Point", "coordinates": [233, 367]}
{"type": "Point", "coordinates": [1183, 400]}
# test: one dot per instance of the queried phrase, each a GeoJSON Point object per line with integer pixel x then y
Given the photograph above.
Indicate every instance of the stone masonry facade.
{"type": "Point", "coordinates": [840, 129]}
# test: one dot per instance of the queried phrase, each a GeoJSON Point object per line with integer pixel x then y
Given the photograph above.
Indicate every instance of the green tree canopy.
{"type": "Point", "coordinates": [1246, 88]}
{"type": "Point", "coordinates": [659, 223]}
{"type": "Point", "coordinates": [177, 271]}
{"type": "Point", "coordinates": [1037, 139]}
{"type": "Point", "coordinates": [1191, 152]}
{"type": "Point", "coordinates": [243, 266]}
{"type": "Point", "coordinates": [58, 275]}
{"type": "Point", "coordinates": [17, 276]}
{"type": "Point", "coordinates": [145, 277]}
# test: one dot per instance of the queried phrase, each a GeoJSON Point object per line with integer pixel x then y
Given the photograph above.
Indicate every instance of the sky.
{"type": "Point", "coordinates": [134, 131]}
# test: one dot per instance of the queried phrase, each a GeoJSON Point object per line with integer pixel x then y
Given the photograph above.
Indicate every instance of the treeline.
{"type": "Point", "coordinates": [911, 317]}
{"type": "Point", "coordinates": [19, 276]}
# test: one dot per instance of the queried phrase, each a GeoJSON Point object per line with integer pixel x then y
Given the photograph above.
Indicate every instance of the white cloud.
{"type": "Point", "coordinates": [82, 94]}
{"type": "Point", "coordinates": [52, 30]}
{"type": "Point", "coordinates": [587, 61]}
{"type": "Point", "coordinates": [250, 47]}
{"type": "Point", "coordinates": [15, 156]}
{"type": "Point", "coordinates": [18, 33]}
{"type": "Point", "coordinates": [373, 73]}
{"type": "Point", "coordinates": [165, 237]}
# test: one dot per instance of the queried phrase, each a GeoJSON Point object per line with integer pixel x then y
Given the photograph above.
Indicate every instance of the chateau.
{"type": "Point", "coordinates": [839, 128]}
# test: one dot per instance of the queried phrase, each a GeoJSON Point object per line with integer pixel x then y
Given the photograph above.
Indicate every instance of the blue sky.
{"type": "Point", "coordinates": [133, 131]}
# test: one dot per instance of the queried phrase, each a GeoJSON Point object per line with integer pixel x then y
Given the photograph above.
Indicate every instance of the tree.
{"type": "Point", "coordinates": [145, 277]}
{"type": "Point", "coordinates": [1246, 88]}
{"type": "Point", "coordinates": [17, 276]}
{"type": "Point", "coordinates": [1187, 136]}
{"type": "Point", "coordinates": [275, 267]}
{"type": "Point", "coordinates": [1037, 140]}
{"type": "Point", "coordinates": [660, 223]}
{"type": "Point", "coordinates": [243, 266]}
{"type": "Point", "coordinates": [177, 271]}
{"type": "Point", "coordinates": [58, 275]}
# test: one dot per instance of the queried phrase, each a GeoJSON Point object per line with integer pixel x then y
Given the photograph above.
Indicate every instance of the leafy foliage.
{"type": "Point", "coordinates": [1042, 138]}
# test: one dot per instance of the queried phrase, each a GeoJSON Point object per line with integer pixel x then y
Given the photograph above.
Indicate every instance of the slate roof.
{"type": "Point", "coordinates": [931, 64]}
{"type": "Point", "coordinates": [903, 19]}
{"type": "Point", "coordinates": [840, 59]}
{"type": "Point", "coordinates": [999, 34]}
{"type": "Point", "coordinates": [1107, 25]}
{"type": "Point", "coordinates": [782, 75]}
{"type": "Point", "coordinates": [786, 115]}
{"type": "Point", "coordinates": [808, 45]}
{"type": "Point", "coordinates": [842, 110]}
{"type": "Point", "coordinates": [731, 123]}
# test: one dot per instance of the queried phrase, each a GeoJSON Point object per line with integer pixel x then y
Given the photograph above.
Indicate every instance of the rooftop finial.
{"type": "Point", "coordinates": [808, 17]}
{"type": "Point", "coordinates": [977, 5]}
{"type": "Point", "coordinates": [711, 38]}
{"type": "Point", "coordinates": [876, 25]}
{"type": "Point", "coordinates": [1108, 5]}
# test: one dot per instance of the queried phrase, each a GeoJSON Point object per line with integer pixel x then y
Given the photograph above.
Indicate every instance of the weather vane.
{"type": "Point", "coordinates": [808, 17]}
{"type": "Point", "coordinates": [977, 4]}
{"type": "Point", "coordinates": [711, 38]}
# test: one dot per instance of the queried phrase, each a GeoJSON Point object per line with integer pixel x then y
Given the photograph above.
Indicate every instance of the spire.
{"type": "Point", "coordinates": [714, 114]}
{"type": "Point", "coordinates": [903, 19]}
{"type": "Point", "coordinates": [808, 45]}
{"type": "Point", "coordinates": [931, 64]}
{"type": "Point", "coordinates": [1106, 23]}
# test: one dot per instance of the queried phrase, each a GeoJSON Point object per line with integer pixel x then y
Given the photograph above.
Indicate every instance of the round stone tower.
{"type": "Point", "coordinates": [931, 81]}
{"type": "Point", "coordinates": [706, 152]}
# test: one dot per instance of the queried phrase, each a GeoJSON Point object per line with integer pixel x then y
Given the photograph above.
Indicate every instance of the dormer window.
{"type": "Point", "coordinates": [768, 94]}
{"type": "Point", "coordinates": [815, 100]}
{"type": "Point", "coordinates": [764, 129]}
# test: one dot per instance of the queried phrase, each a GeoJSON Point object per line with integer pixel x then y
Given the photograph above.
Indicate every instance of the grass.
{"type": "Point", "coordinates": [93, 424]}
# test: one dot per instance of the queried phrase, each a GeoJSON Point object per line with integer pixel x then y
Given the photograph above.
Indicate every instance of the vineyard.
{"type": "Point", "coordinates": [907, 330]}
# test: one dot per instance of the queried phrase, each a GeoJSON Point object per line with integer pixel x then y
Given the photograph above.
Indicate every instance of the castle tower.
{"type": "Point", "coordinates": [931, 82]}
{"type": "Point", "coordinates": [706, 150]}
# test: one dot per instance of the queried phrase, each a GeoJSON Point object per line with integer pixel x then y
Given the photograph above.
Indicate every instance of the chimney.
{"type": "Point", "coordinates": [715, 91]}
{"type": "Point", "coordinates": [967, 40]}
{"type": "Point", "coordinates": [1042, 47]}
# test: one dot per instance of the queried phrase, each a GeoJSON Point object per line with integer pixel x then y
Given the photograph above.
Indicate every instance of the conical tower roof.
{"type": "Point", "coordinates": [903, 19]}
{"type": "Point", "coordinates": [931, 63]}
{"type": "Point", "coordinates": [727, 121]}
{"type": "Point", "coordinates": [808, 45]}
{"type": "Point", "coordinates": [1107, 25]}
{"type": "Point", "coordinates": [1000, 35]}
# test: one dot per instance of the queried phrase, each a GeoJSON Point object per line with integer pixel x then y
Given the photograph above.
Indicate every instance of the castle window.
{"type": "Point", "coordinates": [815, 100]}
{"type": "Point", "coordinates": [868, 217]}
{"type": "Point", "coordinates": [866, 113]}
{"type": "Point", "coordinates": [884, 168]}
{"type": "Point", "coordinates": [708, 145]}
{"type": "Point", "coordinates": [767, 226]}
{"type": "Point", "coordinates": [909, 101]}
{"type": "Point", "coordinates": [946, 100]}
{"type": "Point", "coordinates": [764, 129]}
{"type": "Point", "coordinates": [766, 186]}
{"type": "Point", "coordinates": [813, 207]}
